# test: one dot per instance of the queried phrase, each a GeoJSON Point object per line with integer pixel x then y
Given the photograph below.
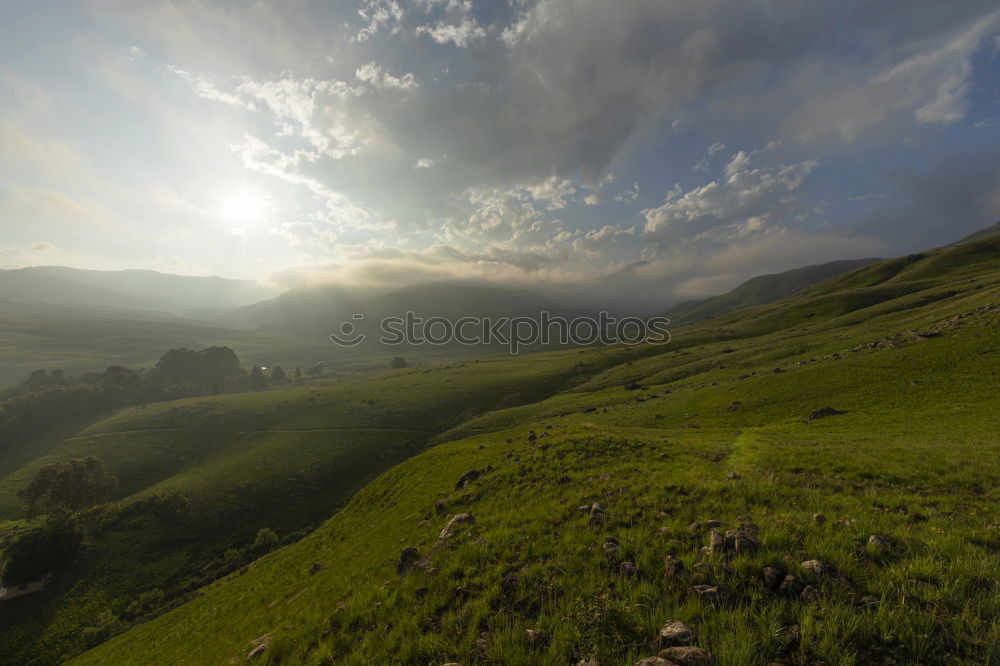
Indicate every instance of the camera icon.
{"type": "Point", "coordinates": [347, 335]}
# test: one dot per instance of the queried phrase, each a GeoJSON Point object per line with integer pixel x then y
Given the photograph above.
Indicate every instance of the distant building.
{"type": "Point", "coordinates": [14, 591]}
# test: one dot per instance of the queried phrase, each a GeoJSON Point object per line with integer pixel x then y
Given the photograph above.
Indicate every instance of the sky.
{"type": "Point", "coordinates": [653, 150]}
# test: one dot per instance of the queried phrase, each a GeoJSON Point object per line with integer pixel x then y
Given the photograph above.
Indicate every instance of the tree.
{"type": "Point", "coordinates": [210, 366]}
{"type": "Point", "coordinates": [51, 547]}
{"type": "Point", "coordinates": [71, 485]}
{"type": "Point", "coordinates": [278, 375]}
{"type": "Point", "coordinates": [257, 378]}
{"type": "Point", "coordinates": [398, 362]}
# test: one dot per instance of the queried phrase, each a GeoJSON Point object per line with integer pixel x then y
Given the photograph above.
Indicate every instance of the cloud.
{"type": "Point", "coordinates": [741, 194]}
{"type": "Point", "coordinates": [938, 205]}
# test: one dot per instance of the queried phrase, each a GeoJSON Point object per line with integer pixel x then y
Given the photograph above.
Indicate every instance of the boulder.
{"type": "Point", "coordinates": [676, 632]}
{"type": "Point", "coordinates": [467, 478]}
{"type": "Point", "coordinates": [790, 586]}
{"type": "Point", "coordinates": [687, 656]}
{"type": "Point", "coordinates": [879, 543]}
{"type": "Point", "coordinates": [452, 526]}
{"type": "Point", "coordinates": [772, 578]}
{"type": "Point", "coordinates": [673, 567]}
{"type": "Point", "coordinates": [824, 412]}
{"type": "Point", "coordinates": [711, 594]}
{"type": "Point", "coordinates": [407, 558]}
{"type": "Point", "coordinates": [816, 568]}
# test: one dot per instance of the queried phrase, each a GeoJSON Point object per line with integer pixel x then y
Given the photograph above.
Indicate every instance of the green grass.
{"type": "Point", "coordinates": [281, 459]}
{"type": "Point", "coordinates": [915, 458]}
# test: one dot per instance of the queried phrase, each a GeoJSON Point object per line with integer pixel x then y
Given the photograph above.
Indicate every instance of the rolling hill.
{"type": "Point", "coordinates": [844, 436]}
{"type": "Point", "coordinates": [761, 290]}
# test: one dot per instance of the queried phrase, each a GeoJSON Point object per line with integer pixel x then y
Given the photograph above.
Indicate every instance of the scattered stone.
{"type": "Point", "coordinates": [532, 437]}
{"type": "Point", "coordinates": [809, 593]}
{"type": "Point", "coordinates": [628, 569]}
{"type": "Point", "coordinates": [879, 543]}
{"type": "Point", "coordinates": [420, 593]}
{"type": "Point", "coordinates": [790, 634]}
{"type": "Point", "coordinates": [508, 583]}
{"type": "Point", "coordinates": [772, 578]}
{"type": "Point", "coordinates": [652, 661]}
{"type": "Point", "coordinates": [407, 558]}
{"type": "Point", "coordinates": [711, 594]}
{"type": "Point", "coordinates": [673, 567]}
{"type": "Point", "coordinates": [440, 505]}
{"type": "Point", "coordinates": [687, 656]}
{"type": "Point", "coordinates": [316, 568]}
{"type": "Point", "coordinates": [676, 632]}
{"type": "Point", "coordinates": [596, 514]}
{"type": "Point", "coordinates": [452, 526]}
{"type": "Point", "coordinates": [734, 406]}
{"type": "Point", "coordinates": [532, 637]}
{"type": "Point", "coordinates": [816, 568]}
{"type": "Point", "coordinates": [716, 542]}
{"type": "Point", "coordinates": [713, 524]}
{"type": "Point", "coordinates": [732, 476]}
{"type": "Point", "coordinates": [467, 478]}
{"type": "Point", "coordinates": [819, 518]}
{"type": "Point", "coordinates": [259, 644]}
{"type": "Point", "coordinates": [824, 412]}
{"type": "Point", "coordinates": [589, 410]}
{"type": "Point", "coordinates": [611, 547]}
{"type": "Point", "coordinates": [790, 586]}
{"type": "Point", "coordinates": [743, 539]}
{"type": "Point", "coordinates": [694, 527]}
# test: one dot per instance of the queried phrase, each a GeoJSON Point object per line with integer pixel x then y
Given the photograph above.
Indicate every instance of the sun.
{"type": "Point", "coordinates": [242, 206]}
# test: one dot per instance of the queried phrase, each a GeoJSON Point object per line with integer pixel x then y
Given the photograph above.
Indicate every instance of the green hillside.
{"type": "Point", "coordinates": [237, 463]}
{"type": "Point", "coordinates": [591, 511]}
{"type": "Point", "coordinates": [760, 290]}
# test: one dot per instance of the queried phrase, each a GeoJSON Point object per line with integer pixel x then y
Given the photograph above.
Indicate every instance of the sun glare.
{"type": "Point", "coordinates": [242, 206]}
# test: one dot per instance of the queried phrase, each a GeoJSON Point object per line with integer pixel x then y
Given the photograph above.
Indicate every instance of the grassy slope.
{"type": "Point", "coordinates": [915, 459]}
{"type": "Point", "coordinates": [281, 459]}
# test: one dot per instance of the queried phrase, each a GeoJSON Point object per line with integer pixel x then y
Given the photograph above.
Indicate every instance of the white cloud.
{"type": "Point", "coordinates": [742, 194]}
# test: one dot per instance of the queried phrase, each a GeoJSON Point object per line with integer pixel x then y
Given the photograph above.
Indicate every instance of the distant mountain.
{"type": "Point", "coordinates": [314, 312]}
{"type": "Point", "coordinates": [128, 290]}
{"type": "Point", "coordinates": [761, 290]}
{"type": "Point", "coordinates": [982, 233]}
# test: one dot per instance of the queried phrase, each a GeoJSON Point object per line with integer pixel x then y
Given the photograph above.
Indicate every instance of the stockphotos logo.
{"type": "Point", "coordinates": [513, 332]}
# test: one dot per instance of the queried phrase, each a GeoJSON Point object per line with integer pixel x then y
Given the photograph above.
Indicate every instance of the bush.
{"type": "Point", "coordinates": [49, 548]}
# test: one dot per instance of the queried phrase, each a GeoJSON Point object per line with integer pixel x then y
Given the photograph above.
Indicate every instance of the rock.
{"type": "Point", "coordinates": [694, 527]}
{"type": "Point", "coordinates": [819, 518]}
{"type": "Point", "coordinates": [316, 568]}
{"type": "Point", "coordinates": [879, 543]}
{"type": "Point", "coordinates": [611, 547]}
{"type": "Point", "coordinates": [420, 593]}
{"type": "Point", "coordinates": [508, 583]}
{"type": "Point", "coordinates": [532, 437]}
{"type": "Point", "coordinates": [772, 578]}
{"type": "Point", "coordinates": [687, 656]}
{"type": "Point", "coordinates": [452, 526]}
{"type": "Point", "coordinates": [673, 567]}
{"type": "Point", "coordinates": [532, 637]}
{"type": "Point", "coordinates": [653, 661]}
{"type": "Point", "coordinates": [824, 412]}
{"type": "Point", "coordinates": [716, 542]}
{"type": "Point", "coordinates": [628, 569]}
{"type": "Point", "coordinates": [816, 568]}
{"type": "Point", "coordinates": [790, 586]}
{"type": "Point", "coordinates": [440, 505]}
{"type": "Point", "coordinates": [713, 524]}
{"type": "Point", "coordinates": [407, 558]}
{"type": "Point", "coordinates": [732, 476]}
{"type": "Point", "coordinates": [467, 478]}
{"type": "Point", "coordinates": [711, 594]}
{"type": "Point", "coordinates": [676, 632]}
{"type": "Point", "coordinates": [596, 514]}
{"type": "Point", "coordinates": [809, 593]}
{"type": "Point", "coordinates": [743, 539]}
{"type": "Point", "coordinates": [790, 634]}
{"type": "Point", "coordinates": [258, 645]}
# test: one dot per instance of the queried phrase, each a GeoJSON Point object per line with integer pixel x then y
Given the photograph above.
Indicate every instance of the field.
{"type": "Point", "coordinates": [895, 497]}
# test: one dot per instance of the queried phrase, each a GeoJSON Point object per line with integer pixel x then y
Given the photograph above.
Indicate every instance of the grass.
{"type": "Point", "coordinates": [915, 459]}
